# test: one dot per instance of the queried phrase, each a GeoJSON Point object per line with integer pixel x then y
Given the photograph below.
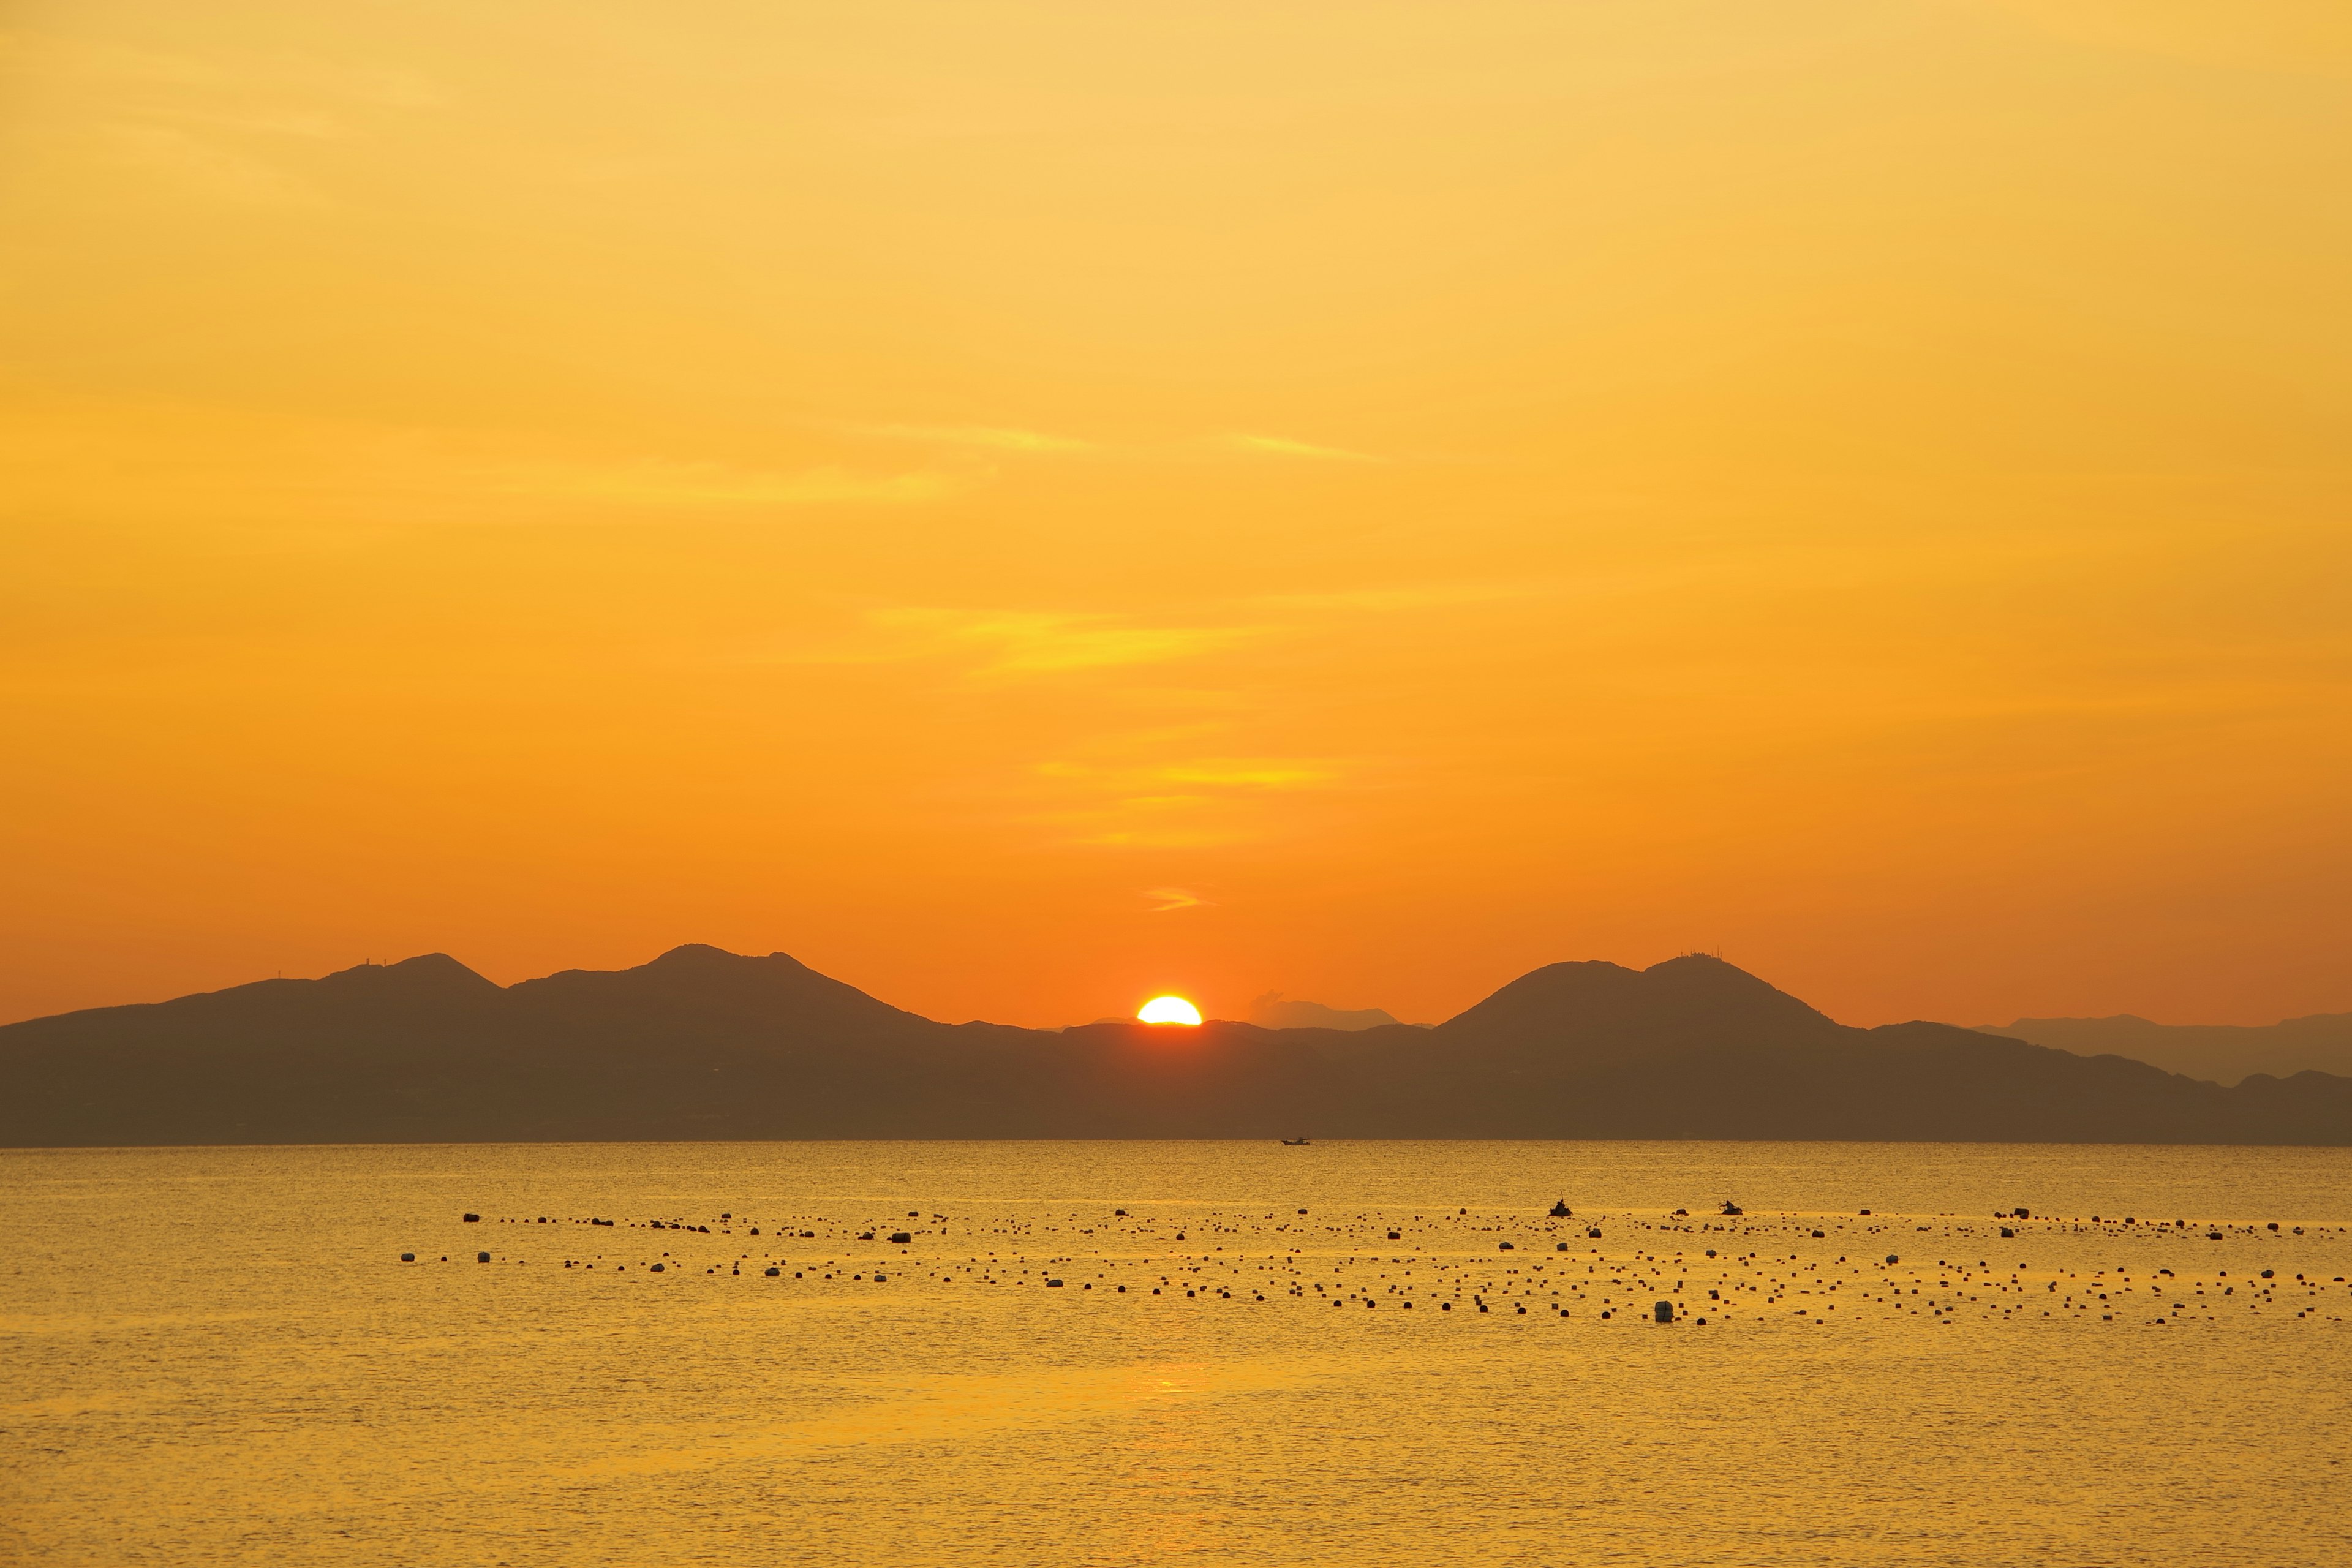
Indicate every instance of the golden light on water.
{"type": "Point", "coordinates": [1168, 1010]}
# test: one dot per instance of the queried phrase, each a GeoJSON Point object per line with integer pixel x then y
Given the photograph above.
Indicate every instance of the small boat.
{"type": "Point", "coordinates": [1297, 1142]}
{"type": "Point", "coordinates": [1560, 1210]}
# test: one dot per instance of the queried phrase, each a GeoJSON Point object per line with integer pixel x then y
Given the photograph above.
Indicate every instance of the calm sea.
{"type": "Point", "coordinates": [217, 1356]}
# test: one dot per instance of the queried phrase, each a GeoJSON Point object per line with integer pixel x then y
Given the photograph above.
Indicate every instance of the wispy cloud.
{"type": "Point", "coordinates": [202, 167]}
{"type": "Point", "coordinates": [1391, 598]}
{"type": "Point", "coordinates": [1013, 642]}
{"type": "Point", "coordinates": [1169, 899]}
{"type": "Point", "coordinates": [1154, 781]}
{"type": "Point", "coordinates": [1177, 799]}
{"type": "Point", "coordinates": [1284, 446]}
{"type": "Point", "coordinates": [977, 438]}
{"type": "Point", "coordinates": [1255, 772]}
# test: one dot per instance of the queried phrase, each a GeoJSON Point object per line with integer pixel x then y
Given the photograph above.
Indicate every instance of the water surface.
{"type": "Point", "coordinates": [216, 1356]}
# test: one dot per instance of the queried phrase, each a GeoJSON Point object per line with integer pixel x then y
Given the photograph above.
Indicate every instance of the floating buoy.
{"type": "Point", "coordinates": [659, 1267]}
{"type": "Point", "coordinates": [1664, 1312]}
{"type": "Point", "coordinates": [408, 1258]}
{"type": "Point", "coordinates": [773, 1272]}
{"type": "Point", "coordinates": [481, 1258]}
{"type": "Point", "coordinates": [1505, 1246]}
{"type": "Point", "coordinates": [473, 1219]}
{"type": "Point", "coordinates": [901, 1238]}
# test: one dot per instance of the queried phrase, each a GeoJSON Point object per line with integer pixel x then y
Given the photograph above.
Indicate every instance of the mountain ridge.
{"type": "Point", "coordinates": [700, 1043]}
{"type": "Point", "coordinates": [2225, 1053]}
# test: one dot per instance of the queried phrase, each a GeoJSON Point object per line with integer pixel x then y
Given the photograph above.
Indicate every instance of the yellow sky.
{"type": "Point", "coordinates": [1029, 506]}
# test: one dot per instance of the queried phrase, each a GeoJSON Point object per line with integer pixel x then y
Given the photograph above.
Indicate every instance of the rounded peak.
{"type": "Point", "coordinates": [702, 955]}
{"type": "Point", "coordinates": [436, 971]}
{"type": "Point", "coordinates": [1694, 991]}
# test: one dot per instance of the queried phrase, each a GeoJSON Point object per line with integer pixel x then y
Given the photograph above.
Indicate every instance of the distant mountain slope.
{"type": "Point", "coordinates": [2222, 1052]}
{"type": "Point", "coordinates": [1276, 1011]}
{"type": "Point", "coordinates": [703, 1044]}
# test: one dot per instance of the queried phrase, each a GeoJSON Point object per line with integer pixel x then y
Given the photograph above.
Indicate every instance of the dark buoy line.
{"type": "Point", "coordinates": [1418, 1259]}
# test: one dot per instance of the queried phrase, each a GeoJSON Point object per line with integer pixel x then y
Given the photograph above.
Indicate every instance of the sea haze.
{"type": "Point", "coordinates": [225, 1346]}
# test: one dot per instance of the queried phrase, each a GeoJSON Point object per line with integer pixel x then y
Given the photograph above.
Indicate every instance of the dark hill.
{"type": "Point", "coordinates": [703, 1044]}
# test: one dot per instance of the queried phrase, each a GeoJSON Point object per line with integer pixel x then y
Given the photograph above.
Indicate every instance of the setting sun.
{"type": "Point", "coordinates": [1169, 1010]}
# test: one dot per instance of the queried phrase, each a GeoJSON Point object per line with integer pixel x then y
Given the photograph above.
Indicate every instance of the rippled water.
{"type": "Point", "coordinates": [217, 1356]}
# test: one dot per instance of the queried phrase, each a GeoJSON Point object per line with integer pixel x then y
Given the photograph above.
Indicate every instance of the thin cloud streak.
{"type": "Point", "coordinates": [1284, 446]}
{"type": "Point", "coordinates": [982, 437]}
{"type": "Point", "coordinates": [1041, 642]}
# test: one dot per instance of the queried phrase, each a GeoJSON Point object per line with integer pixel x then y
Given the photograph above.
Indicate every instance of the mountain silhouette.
{"type": "Point", "coordinates": [705, 1043]}
{"type": "Point", "coordinates": [2222, 1052]}
{"type": "Point", "coordinates": [1275, 1010]}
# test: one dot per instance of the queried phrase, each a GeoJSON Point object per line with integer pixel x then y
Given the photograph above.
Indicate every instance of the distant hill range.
{"type": "Point", "coordinates": [1276, 1011]}
{"type": "Point", "coordinates": [702, 1043]}
{"type": "Point", "coordinates": [2224, 1053]}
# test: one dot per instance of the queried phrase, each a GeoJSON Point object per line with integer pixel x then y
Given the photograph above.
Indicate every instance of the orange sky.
{"type": "Point", "coordinates": [1024, 506]}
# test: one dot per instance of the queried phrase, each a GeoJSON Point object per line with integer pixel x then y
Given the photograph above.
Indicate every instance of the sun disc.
{"type": "Point", "coordinates": [1169, 1010]}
